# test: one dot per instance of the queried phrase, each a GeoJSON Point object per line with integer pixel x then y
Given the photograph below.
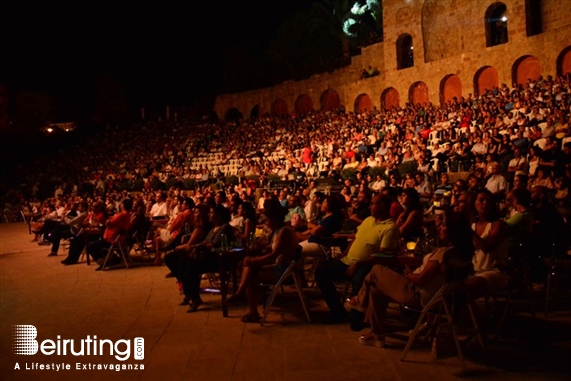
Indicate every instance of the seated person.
{"type": "Point", "coordinates": [312, 207]}
{"type": "Point", "coordinates": [360, 211]}
{"type": "Point", "coordinates": [69, 227]}
{"type": "Point", "coordinates": [423, 187]}
{"type": "Point", "coordinates": [489, 238]}
{"type": "Point", "coordinates": [115, 226]}
{"type": "Point", "coordinates": [92, 230]}
{"type": "Point", "coordinates": [377, 236]}
{"type": "Point", "coordinates": [249, 222]}
{"type": "Point", "coordinates": [205, 257]}
{"type": "Point", "coordinates": [384, 285]}
{"type": "Point", "coordinates": [236, 221]}
{"type": "Point", "coordinates": [330, 223]}
{"type": "Point", "coordinates": [270, 264]}
{"type": "Point", "coordinates": [295, 214]}
{"type": "Point", "coordinates": [176, 260]}
{"type": "Point", "coordinates": [159, 210]}
{"type": "Point", "coordinates": [444, 186]}
{"type": "Point", "coordinates": [520, 224]}
{"type": "Point", "coordinates": [174, 230]}
{"type": "Point", "coordinates": [46, 225]}
{"type": "Point", "coordinates": [411, 219]}
{"type": "Point", "coordinates": [140, 223]}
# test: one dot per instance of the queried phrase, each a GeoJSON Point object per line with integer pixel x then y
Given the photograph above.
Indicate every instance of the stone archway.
{"type": "Point", "coordinates": [255, 112]}
{"type": "Point", "coordinates": [486, 78]}
{"type": "Point", "coordinates": [233, 114]}
{"type": "Point", "coordinates": [405, 51]}
{"type": "Point", "coordinates": [496, 22]}
{"type": "Point", "coordinates": [363, 103]}
{"type": "Point", "coordinates": [390, 98]}
{"type": "Point", "coordinates": [279, 107]}
{"type": "Point", "coordinates": [564, 61]}
{"type": "Point", "coordinates": [450, 88]}
{"type": "Point", "coordinates": [329, 100]}
{"type": "Point", "coordinates": [303, 104]}
{"type": "Point", "coordinates": [525, 68]}
{"type": "Point", "coordinates": [418, 93]}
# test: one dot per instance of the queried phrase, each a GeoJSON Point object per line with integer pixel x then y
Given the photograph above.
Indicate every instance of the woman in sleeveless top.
{"type": "Point", "coordinates": [410, 220]}
{"type": "Point", "coordinates": [383, 285]}
{"type": "Point", "coordinates": [271, 263]}
{"type": "Point", "coordinates": [489, 239]}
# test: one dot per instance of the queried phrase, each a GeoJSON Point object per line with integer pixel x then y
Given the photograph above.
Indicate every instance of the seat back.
{"type": "Point", "coordinates": [120, 247]}
{"type": "Point", "coordinates": [292, 271]}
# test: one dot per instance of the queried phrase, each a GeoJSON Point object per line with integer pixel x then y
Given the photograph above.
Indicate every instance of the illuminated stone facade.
{"type": "Point", "coordinates": [452, 57]}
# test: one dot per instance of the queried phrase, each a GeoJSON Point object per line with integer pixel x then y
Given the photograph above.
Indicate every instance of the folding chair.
{"type": "Point", "coordinates": [518, 270]}
{"type": "Point", "coordinates": [444, 303]}
{"type": "Point", "coordinates": [327, 245]}
{"type": "Point", "coordinates": [117, 247]}
{"type": "Point", "coordinates": [292, 271]}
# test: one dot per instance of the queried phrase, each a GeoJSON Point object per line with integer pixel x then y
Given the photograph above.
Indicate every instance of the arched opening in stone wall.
{"type": "Point", "coordinates": [255, 112]}
{"type": "Point", "coordinates": [279, 107]}
{"type": "Point", "coordinates": [418, 93]}
{"type": "Point", "coordinates": [450, 88]}
{"type": "Point", "coordinates": [564, 61]}
{"type": "Point", "coordinates": [233, 115]}
{"type": "Point", "coordinates": [363, 103]}
{"type": "Point", "coordinates": [486, 78]}
{"type": "Point", "coordinates": [390, 98]}
{"type": "Point", "coordinates": [496, 22]}
{"type": "Point", "coordinates": [525, 68]}
{"type": "Point", "coordinates": [303, 104]}
{"type": "Point", "coordinates": [533, 22]}
{"type": "Point", "coordinates": [405, 51]}
{"type": "Point", "coordinates": [329, 100]}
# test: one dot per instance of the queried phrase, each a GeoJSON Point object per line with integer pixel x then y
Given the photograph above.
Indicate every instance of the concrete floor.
{"type": "Point", "coordinates": [76, 301]}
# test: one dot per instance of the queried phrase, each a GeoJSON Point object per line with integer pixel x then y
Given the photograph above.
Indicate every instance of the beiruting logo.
{"type": "Point", "coordinates": [25, 343]}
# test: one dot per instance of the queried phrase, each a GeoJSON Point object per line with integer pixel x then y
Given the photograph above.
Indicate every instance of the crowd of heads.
{"type": "Point", "coordinates": [405, 147]}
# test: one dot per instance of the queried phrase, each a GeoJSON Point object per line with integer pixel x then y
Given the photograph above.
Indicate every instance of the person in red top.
{"type": "Point", "coordinates": [306, 156]}
{"type": "Point", "coordinates": [396, 207]}
{"type": "Point", "coordinates": [425, 132]}
{"type": "Point", "coordinates": [115, 226]}
{"type": "Point", "coordinates": [171, 235]}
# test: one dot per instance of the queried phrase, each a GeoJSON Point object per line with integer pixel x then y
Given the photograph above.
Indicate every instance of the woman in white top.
{"type": "Point", "coordinates": [491, 255]}
{"type": "Point", "coordinates": [533, 160]}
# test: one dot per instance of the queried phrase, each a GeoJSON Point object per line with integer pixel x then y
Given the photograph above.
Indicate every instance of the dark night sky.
{"type": "Point", "coordinates": [165, 51]}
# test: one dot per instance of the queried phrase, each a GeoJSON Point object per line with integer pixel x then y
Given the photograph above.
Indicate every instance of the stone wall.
{"type": "Point", "coordinates": [450, 59]}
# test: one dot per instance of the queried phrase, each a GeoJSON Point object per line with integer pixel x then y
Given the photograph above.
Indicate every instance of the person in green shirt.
{"type": "Point", "coordinates": [377, 237]}
{"type": "Point", "coordinates": [520, 223]}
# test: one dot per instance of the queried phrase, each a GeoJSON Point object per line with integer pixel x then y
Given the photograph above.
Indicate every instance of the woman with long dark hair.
{"type": "Point", "coordinates": [270, 264]}
{"type": "Point", "coordinates": [204, 255]}
{"type": "Point", "coordinates": [490, 243]}
{"type": "Point", "coordinates": [410, 220]}
{"type": "Point", "coordinates": [384, 285]}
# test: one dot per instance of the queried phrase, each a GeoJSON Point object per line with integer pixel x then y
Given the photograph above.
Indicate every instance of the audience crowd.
{"type": "Point", "coordinates": [501, 161]}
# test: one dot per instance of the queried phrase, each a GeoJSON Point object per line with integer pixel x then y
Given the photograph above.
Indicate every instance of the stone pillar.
{"type": "Point", "coordinates": [142, 113]}
{"type": "Point", "coordinates": [168, 113]}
